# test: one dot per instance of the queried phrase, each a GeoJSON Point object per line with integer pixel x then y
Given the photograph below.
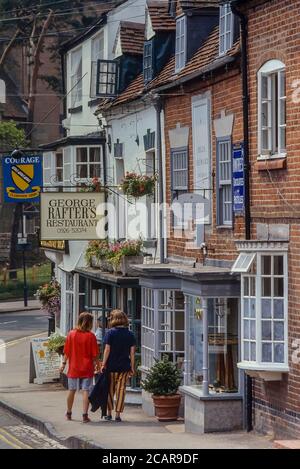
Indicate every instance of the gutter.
{"type": "Point", "coordinates": [244, 65]}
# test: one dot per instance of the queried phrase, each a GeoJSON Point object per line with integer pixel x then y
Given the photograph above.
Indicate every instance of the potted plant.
{"type": "Point", "coordinates": [125, 254]}
{"type": "Point", "coordinates": [56, 343]}
{"type": "Point", "coordinates": [137, 185]}
{"type": "Point", "coordinates": [163, 382]}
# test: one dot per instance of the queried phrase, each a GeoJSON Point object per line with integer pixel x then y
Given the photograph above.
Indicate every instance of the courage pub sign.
{"type": "Point", "coordinates": [22, 178]}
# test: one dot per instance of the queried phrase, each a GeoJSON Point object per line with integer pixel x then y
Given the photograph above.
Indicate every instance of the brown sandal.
{"type": "Point", "coordinates": [69, 415]}
{"type": "Point", "coordinates": [85, 418]}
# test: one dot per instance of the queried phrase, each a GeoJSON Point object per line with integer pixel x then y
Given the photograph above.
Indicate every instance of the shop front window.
{"type": "Point", "coordinates": [222, 340]}
{"type": "Point", "coordinates": [171, 325]}
{"type": "Point", "coordinates": [223, 344]}
{"type": "Point", "coordinates": [162, 326]}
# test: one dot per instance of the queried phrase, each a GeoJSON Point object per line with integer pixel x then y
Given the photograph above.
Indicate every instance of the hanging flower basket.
{"type": "Point", "coordinates": [49, 296]}
{"type": "Point", "coordinates": [93, 186]}
{"type": "Point", "coordinates": [136, 185]}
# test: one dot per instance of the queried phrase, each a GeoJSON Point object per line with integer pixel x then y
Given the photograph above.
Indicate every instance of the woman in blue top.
{"type": "Point", "coordinates": [118, 360]}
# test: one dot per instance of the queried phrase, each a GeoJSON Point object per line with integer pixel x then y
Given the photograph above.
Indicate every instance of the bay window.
{"type": "Point", "coordinates": [272, 110]}
{"type": "Point", "coordinates": [264, 311]}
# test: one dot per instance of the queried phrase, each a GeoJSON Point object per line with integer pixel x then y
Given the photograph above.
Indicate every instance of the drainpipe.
{"type": "Point", "coordinates": [157, 102]}
{"type": "Point", "coordinates": [244, 65]}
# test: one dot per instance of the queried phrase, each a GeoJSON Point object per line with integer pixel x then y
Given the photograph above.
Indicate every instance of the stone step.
{"type": "Point", "coordinates": [133, 396]}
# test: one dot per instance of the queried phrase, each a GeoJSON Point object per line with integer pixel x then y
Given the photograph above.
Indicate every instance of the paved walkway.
{"type": "Point", "coordinates": [47, 402]}
{"type": "Point", "coordinates": [16, 306]}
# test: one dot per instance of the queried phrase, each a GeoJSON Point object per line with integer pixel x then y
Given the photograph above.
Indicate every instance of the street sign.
{"type": "Point", "coordinates": [22, 178]}
{"type": "Point", "coordinates": [24, 247]}
{"type": "Point", "coordinates": [238, 179]}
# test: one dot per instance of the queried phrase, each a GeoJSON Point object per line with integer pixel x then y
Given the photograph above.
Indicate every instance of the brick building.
{"type": "Point", "coordinates": [273, 77]}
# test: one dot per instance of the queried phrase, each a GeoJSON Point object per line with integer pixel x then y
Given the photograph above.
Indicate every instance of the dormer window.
{"type": "Point", "coordinates": [107, 78]}
{"type": "Point", "coordinates": [226, 28]}
{"type": "Point", "coordinates": [148, 61]}
{"type": "Point", "coordinates": [180, 47]}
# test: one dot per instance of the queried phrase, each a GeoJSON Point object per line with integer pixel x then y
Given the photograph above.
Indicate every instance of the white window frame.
{"type": "Point", "coordinates": [75, 69]}
{"type": "Point", "coordinates": [180, 43]}
{"type": "Point", "coordinates": [226, 34]}
{"type": "Point", "coordinates": [224, 165]}
{"type": "Point", "coordinates": [88, 163]}
{"type": "Point", "coordinates": [258, 364]}
{"type": "Point", "coordinates": [274, 101]}
{"type": "Point", "coordinates": [97, 53]}
{"type": "Point", "coordinates": [153, 329]}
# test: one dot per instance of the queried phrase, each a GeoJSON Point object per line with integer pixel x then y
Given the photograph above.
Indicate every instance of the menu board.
{"type": "Point", "coordinates": [44, 365]}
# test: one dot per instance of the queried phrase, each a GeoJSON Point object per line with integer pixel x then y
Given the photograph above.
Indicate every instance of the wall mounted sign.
{"type": "Point", "coordinates": [238, 179]}
{"type": "Point", "coordinates": [72, 216]}
{"type": "Point", "coordinates": [22, 178]}
{"type": "Point", "coordinates": [60, 246]}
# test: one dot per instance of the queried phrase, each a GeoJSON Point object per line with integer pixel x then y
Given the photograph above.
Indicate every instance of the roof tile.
{"type": "Point", "coordinates": [159, 14]}
{"type": "Point", "coordinates": [132, 37]}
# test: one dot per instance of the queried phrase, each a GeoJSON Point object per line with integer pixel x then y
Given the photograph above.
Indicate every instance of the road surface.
{"type": "Point", "coordinates": [17, 325]}
{"type": "Point", "coordinates": [14, 434]}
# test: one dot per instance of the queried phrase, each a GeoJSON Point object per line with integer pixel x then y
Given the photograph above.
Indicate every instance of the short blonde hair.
{"type": "Point", "coordinates": [118, 318]}
{"type": "Point", "coordinates": [85, 322]}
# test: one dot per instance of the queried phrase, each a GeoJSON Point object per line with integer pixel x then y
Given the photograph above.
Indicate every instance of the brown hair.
{"type": "Point", "coordinates": [85, 322]}
{"type": "Point", "coordinates": [118, 318]}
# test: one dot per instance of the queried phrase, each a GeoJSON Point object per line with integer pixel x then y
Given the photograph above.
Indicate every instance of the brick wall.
{"type": "Point", "coordinates": [275, 196]}
{"type": "Point", "coordinates": [225, 89]}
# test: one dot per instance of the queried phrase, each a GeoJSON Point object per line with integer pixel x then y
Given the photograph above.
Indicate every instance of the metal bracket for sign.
{"type": "Point", "coordinates": [43, 188]}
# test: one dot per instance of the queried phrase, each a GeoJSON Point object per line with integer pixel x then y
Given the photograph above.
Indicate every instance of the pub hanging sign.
{"type": "Point", "coordinates": [72, 216]}
{"type": "Point", "coordinates": [22, 178]}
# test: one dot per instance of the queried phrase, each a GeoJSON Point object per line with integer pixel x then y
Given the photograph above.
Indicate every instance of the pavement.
{"type": "Point", "coordinates": [43, 407]}
{"type": "Point", "coordinates": [16, 306]}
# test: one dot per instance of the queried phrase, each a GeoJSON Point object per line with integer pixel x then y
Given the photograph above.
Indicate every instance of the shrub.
{"type": "Point", "coordinates": [163, 379]}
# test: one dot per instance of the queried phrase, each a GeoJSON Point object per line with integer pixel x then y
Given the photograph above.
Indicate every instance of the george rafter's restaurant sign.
{"type": "Point", "coordinates": [72, 215]}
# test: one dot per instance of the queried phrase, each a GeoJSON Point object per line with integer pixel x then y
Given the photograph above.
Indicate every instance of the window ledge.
{"type": "Point", "coordinates": [198, 394]}
{"type": "Point", "coordinates": [224, 227]}
{"type": "Point", "coordinates": [270, 163]}
{"type": "Point", "coordinates": [265, 372]}
{"type": "Point", "coordinates": [75, 110]}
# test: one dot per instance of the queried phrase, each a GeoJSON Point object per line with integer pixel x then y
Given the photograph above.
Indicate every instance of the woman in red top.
{"type": "Point", "coordinates": [81, 351]}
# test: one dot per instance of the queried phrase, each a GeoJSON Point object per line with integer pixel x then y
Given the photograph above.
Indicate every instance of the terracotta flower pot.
{"type": "Point", "coordinates": [167, 407]}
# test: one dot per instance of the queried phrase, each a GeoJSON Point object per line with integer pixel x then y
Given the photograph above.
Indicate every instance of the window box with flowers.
{"type": "Point", "coordinates": [137, 185]}
{"type": "Point", "coordinates": [118, 257]}
{"type": "Point", "coordinates": [97, 255]}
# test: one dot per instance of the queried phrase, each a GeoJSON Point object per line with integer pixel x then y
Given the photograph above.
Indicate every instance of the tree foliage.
{"type": "Point", "coordinates": [11, 137]}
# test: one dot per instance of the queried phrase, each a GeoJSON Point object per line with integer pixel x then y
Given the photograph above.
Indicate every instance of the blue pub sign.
{"type": "Point", "coordinates": [22, 178]}
{"type": "Point", "coordinates": [238, 179]}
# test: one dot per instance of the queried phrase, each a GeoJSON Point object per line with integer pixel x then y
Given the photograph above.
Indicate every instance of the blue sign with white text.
{"type": "Point", "coordinates": [22, 178]}
{"type": "Point", "coordinates": [238, 179]}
